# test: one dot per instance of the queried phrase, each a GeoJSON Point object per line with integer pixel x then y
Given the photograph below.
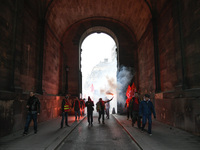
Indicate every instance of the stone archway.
{"type": "Point", "coordinates": [99, 29]}
{"type": "Point", "coordinates": [126, 46]}
{"type": "Point", "coordinates": [104, 72]}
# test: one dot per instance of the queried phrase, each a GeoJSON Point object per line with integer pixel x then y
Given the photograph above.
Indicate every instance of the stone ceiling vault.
{"type": "Point", "coordinates": [62, 14]}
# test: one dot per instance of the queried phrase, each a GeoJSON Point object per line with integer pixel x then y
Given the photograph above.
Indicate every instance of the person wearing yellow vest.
{"type": "Point", "coordinates": [65, 108]}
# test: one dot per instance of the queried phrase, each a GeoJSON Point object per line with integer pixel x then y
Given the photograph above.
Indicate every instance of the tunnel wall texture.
{"type": "Point", "coordinates": [178, 102]}
{"type": "Point", "coordinates": [21, 36]}
{"type": "Point", "coordinates": [13, 110]}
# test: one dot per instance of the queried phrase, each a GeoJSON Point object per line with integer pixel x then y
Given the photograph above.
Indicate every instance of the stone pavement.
{"type": "Point", "coordinates": [164, 137]}
{"type": "Point", "coordinates": [50, 135]}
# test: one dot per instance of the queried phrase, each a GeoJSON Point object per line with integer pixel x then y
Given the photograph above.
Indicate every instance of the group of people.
{"type": "Point", "coordinates": [78, 106]}
{"type": "Point", "coordinates": [136, 108]}
{"type": "Point", "coordinates": [140, 109]}
{"type": "Point", "coordinates": [101, 107]}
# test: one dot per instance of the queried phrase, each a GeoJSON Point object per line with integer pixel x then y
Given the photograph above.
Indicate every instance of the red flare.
{"type": "Point", "coordinates": [109, 93]}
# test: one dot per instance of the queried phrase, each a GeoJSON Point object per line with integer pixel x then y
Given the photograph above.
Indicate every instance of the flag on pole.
{"type": "Point", "coordinates": [131, 91]}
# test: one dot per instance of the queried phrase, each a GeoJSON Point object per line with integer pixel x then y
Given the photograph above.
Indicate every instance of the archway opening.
{"type": "Point", "coordinates": [99, 68]}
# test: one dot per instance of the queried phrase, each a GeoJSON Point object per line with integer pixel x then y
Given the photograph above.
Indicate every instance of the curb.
{"type": "Point", "coordinates": [128, 133]}
{"type": "Point", "coordinates": [59, 140]}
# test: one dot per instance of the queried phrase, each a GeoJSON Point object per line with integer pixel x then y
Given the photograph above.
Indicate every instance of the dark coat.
{"type": "Point", "coordinates": [76, 105]}
{"type": "Point", "coordinates": [89, 105]}
{"type": "Point", "coordinates": [146, 108]}
{"type": "Point", "coordinates": [133, 105]}
{"type": "Point", "coordinates": [34, 104]}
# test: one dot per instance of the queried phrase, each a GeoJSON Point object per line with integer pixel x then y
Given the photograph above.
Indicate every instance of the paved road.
{"type": "Point", "coordinates": [108, 136]}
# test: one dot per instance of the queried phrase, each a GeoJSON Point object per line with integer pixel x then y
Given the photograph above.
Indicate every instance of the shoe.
{"type": "Point", "coordinates": [35, 131]}
{"type": "Point", "coordinates": [103, 122]}
{"type": "Point", "coordinates": [25, 133]}
{"type": "Point", "coordinates": [91, 124]}
{"type": "Point", "coordinates": [99, 122]}
{"type": "Point", "coordinates": [67, 125]}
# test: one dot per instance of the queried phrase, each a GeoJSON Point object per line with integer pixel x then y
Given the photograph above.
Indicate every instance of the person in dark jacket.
{"type": "Point", "coordinates": [65, 108]}
{"type": "Point", "coordinates": [128, 108]}
{"type": "Point", "coordinates": [33, 106]}
{"type": "Point", "coordinates": [82, 105]}
{"type": "Point", "coordinates": [76, 106]}
{"type": "Point", "coordinates": [146, 110]}
{"type": "Point", "coordinates": [89, 104]}
{"type": "Point", "coordinates": [100, 107]}
{"type": "Point", "coordinates": [134, 109]}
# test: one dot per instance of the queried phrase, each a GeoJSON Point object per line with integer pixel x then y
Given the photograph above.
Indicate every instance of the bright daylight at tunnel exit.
{"type": "Point", "coordinates": [99, 68]}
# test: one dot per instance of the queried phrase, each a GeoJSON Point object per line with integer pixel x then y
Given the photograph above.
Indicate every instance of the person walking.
{"type": "Point", "coordinates": [100, 107]}
{"type": "Point", "coordinates": [146, 109]}
{"type": "Point", "coordinates": [33, 106]}
{"type": "Point", "coordinates": [107, 106]}
{"type": "Point", "coordinates": [82, 107]}
{"type": "Point", "coordinates": [128, 108]}
{"type": "Point", "coordinates": [65, 108]}
{"type": "Point", "coordinates": [77, 108]}
{"type": "Point", "coordinates": [89, 104]}
{"type": "Point", "coordinates": [134, 109]}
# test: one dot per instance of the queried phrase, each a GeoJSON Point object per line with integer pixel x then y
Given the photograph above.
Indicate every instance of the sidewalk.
{"type": "Point", "coordinates": [163, 137]}
{"type": "Point", "coordinates": [48, 137]}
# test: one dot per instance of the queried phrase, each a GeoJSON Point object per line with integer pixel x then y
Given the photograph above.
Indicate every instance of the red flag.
{"type": "Point", "coordinates": [128, 92]}
{"type": "Point", "coordinates": [92, 88]}
{"type": "Point", "coordinates": [133, 88]}
{"type": "Point", "coordinates": [131, 91]}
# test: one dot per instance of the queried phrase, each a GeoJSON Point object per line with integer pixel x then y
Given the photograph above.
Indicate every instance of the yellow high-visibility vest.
{"type": "Point", "coordinates": [66, 107]}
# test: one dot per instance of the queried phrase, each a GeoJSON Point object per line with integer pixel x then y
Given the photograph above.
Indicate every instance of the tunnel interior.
{"type": "Point", "coordinates": [41, 44]}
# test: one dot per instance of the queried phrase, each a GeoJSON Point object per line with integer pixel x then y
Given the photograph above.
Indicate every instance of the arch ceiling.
{"type": "Point", "coordinates": [61, 14]}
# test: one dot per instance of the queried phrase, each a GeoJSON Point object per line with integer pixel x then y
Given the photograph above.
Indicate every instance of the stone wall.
{"type": "Point", "coordinates": [51, 60]}
{"type": "Point", "coordinates": [20, 46]}
{"type": "Point", "coordinates": [178, 102]}
{"type": "Point", "coordinates": [13, 110]}
{"type": "Point", "coordinates": [146, 69]}
{"type": "Point", "coordinates": [21, 62]}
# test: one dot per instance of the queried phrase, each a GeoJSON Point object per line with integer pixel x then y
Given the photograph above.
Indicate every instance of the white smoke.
{"type": "Point", "coordinates": [104, 80]}
{"type": "Point", "coordinates": [124, 77]}
{"type": "Point", "coordinates": [101, 78]}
